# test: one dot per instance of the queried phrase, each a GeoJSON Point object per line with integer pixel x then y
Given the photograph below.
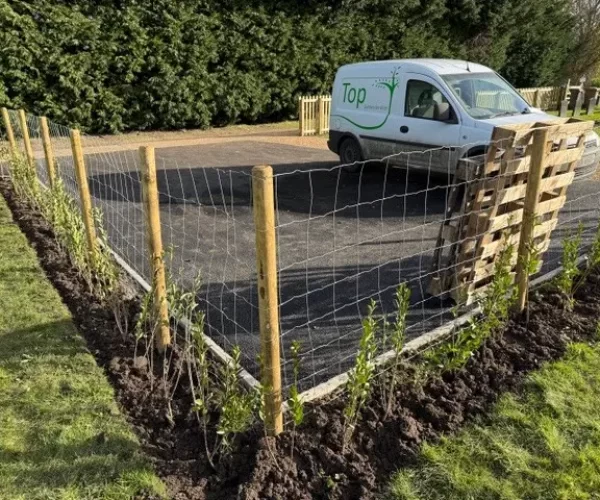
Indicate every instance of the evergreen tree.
{"type": "Point", "coordinates": [114, 65]}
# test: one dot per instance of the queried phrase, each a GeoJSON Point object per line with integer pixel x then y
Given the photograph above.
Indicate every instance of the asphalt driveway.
{"type": "Point", "coordinates": [343, 238]}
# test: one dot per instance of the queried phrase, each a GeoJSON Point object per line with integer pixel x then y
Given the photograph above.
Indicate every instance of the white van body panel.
{"type": "Point", "coordinates": [370, 103]}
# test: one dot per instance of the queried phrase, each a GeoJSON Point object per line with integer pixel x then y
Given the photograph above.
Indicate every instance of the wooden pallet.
{"type": "Point", "coordinates": [486, 201]}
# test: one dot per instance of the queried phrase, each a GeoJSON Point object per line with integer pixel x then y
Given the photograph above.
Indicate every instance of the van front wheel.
{"type": "Point", "coordinates": [350, 154]}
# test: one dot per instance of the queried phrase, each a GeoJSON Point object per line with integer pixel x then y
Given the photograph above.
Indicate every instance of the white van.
{"type": "Point", "coordinates": [434, 110]}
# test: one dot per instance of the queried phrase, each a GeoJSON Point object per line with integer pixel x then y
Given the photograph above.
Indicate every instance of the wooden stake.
{"type": "Point", "coordinates": [578, 104]}
{"type": "Point", "coordinates": [591, 105]}
{"type": "Point", "coordinates": [27, 143]}
{"type": "Point", "coordinates": [321, 115]}
{"type": "Point", "coordinates": [48, 151]}
{"type": "Point", "coordinates": [159, 281]}
{"type": "Point", "coordinates": [532, 198]}
{"type": "Point", "coordinates": [568, 89]}
{"type": "Point", "coordinates": [563, 108]}
{"type": "Point", "coordinates": [301, 115]}
{"type": "Point", "coordinates": [84, 194]}
{"type": "Point", "coordinates": [9, 132]}
{"type": "Point", "coordinates": [268, 309]}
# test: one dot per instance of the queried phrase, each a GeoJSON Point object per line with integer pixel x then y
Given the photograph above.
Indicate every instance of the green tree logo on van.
{"type": "Point", "coordinates": [358, 96]}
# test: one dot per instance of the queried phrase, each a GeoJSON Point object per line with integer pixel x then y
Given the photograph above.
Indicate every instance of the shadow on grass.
{"type": "Point", "coordinates": [58, 338]}
{"type": "Point", "coordinates": [60, 428]}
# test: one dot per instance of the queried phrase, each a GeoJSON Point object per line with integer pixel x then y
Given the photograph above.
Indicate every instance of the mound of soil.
{"type": "Point", "coordinates": [321, 469]}
{"type": "Point", "coordinates": [261, 468]}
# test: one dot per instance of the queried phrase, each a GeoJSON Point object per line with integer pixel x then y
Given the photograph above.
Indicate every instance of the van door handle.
{"type": "Point", "coordinates": [404, 129]}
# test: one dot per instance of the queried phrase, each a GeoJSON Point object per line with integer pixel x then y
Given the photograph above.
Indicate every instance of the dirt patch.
{"type": "Point", "coordinates": [321, 469]}
{"type": "Point", "coordinates": [263, 469]}
{"type": "Point", "coordinates": [276, 134]}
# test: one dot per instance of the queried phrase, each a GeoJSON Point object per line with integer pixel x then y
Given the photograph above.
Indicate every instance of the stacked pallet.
{"type": "Point", "coordinates": [488, 202]}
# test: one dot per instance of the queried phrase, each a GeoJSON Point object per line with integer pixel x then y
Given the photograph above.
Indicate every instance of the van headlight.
{"type": "Point", "coordinates": [592, 141]}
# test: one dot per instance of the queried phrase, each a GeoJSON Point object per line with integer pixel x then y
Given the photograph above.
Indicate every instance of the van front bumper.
{"type": "Point", "coordinates": [589, 162]}
{"type": "Point", "coordinates": [333, 143]}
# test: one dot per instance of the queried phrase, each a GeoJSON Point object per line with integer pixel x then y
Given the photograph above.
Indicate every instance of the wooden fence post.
{"type": "Point", "coordinates": [532, 196]}
{"type": "Point", "coordinates": [591, 106]}
{"type": "Point", "coordinates": [155, 248]}
{"type": "Point", "coordinates": [268, 308]}
{"type": "Point", "coordinates": [301, 115]}
{"type": "Point", "coordinates": [27, 142]}
{"type": "Point", "coordinates": [321, 115]}
{"type": "Point", "coordinates": [48, 151]}
{"type": "Point", "coordinates": [578, 105]}
{"type": "Point", "coordinates": [84, 194]}
{"type": "Point", "coordinates": [567, 94]}
{"type": "Point", "coordinates": [563, 109]}
{"type": "Point", "coordinates": [10, 135]}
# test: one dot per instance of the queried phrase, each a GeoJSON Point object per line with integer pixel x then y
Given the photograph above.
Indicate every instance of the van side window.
{"type": "Point", "coordinates": [425, 101]}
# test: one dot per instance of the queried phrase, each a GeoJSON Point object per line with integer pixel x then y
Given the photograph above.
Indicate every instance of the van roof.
{"type": "Point", "coordinates": [439, 66]}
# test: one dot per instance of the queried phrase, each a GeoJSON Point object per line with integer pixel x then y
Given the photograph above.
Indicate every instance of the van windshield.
{"type": "Point", "coordinates": [486, 95]}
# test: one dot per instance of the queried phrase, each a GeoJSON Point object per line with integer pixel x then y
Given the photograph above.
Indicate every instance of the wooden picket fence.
{"type": "Point", "coordinates": [546, 98]}
{"type": "Point", "coordinates": [314, 111]}
{"type": "Point", "coordinates": [313, 114]}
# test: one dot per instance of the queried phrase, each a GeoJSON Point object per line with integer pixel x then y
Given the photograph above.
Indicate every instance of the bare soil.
{"type": "Point", "coordinates": [261, 468]}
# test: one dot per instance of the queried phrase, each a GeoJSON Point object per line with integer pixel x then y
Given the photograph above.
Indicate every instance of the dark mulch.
{"type": "Point", "coordinates": [264, 469]}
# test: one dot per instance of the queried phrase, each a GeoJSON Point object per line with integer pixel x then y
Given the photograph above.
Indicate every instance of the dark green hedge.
{"type": "Point", "coordinates": [123, 65]}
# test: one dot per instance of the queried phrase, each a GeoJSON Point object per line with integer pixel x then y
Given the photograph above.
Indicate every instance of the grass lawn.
{"type": "Point", "coordinates": [61, 433]}
{"type": "Point", "coordinates": [582, 116]}
{"type": "Point", "coordinates": [543, 444]}
{"type": "Point", "coordinates": [595, 116]}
